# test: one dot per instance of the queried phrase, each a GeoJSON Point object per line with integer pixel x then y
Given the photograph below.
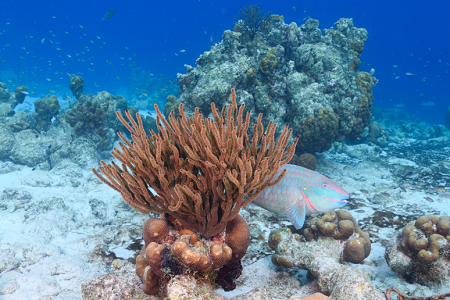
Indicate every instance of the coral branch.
{"type": "Point", "coordinates": [201, 169]}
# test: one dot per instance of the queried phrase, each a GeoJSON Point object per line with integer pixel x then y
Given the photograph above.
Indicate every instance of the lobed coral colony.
{"type": "Point", "coordinates": [197, 173]}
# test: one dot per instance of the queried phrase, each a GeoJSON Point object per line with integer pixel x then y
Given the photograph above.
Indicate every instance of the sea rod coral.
{"type": "Point", "coordinates": [202, 172]}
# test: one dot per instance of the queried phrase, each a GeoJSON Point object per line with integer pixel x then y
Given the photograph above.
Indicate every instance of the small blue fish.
{"type": "Point", "coordinates": [301, 192]}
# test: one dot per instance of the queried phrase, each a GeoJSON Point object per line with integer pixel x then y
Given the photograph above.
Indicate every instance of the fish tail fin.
{"type": "Point", "coordinates": [296, 215]}
{"type": "Point", "coordinates": [115, 10]}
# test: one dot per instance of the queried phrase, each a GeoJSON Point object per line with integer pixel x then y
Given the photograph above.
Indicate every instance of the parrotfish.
{"type": "Point", "coordinates": [301, 192]}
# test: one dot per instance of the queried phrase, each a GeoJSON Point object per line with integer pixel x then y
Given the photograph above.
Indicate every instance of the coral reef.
{"type": "Point", "coordinates": [333, 238]}
{"type": "Point", "coordinates": [421, 252]}
{"type": "Point", "coordinates": [171, 105]}
{"type": "Point", "coordinates": [76, 86]}
{"type": "Point", "coordinates": [148, 123]}
{"type": "Point", "coordinates": [13, 99]}
{"type": "Point", "coordinates": [46, 109]}
{"type": "Point", "coordinates": [94, 117]}
{"type": "Point", "coordinates": [375, 135]}
{"type": "Point", "coordinates": [170, 250]}
{"type": "Point", "coordinates": [87, 118]}
{"type": "Point", "coordinates": [292, 74]}
{"type": "Point", "coordinates": [306, 160]}
{"type": "Point", "coordinates": [20, 93]}
{"type": "Point", "coordinates": [200, 173]}
{"type": "Point", "coordinates": [21, 121]}
{"type": "Point", "coordinates": [114, 103]}
{"type": "Point", "coordinates": [252, 20]}
{"type": "Point", "coordinates": [222, 146]}
{"type": "Point", "coordinates": [4, 93]}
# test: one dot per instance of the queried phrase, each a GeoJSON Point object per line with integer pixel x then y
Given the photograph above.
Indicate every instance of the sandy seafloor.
{"type": "Point", "coordinates": [62, 227]}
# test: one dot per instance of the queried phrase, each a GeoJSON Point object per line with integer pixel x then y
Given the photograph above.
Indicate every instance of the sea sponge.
{"type": "Point", "coordinates": [420, 251]}
{"type": "Point", "coordinates": [76, 86]}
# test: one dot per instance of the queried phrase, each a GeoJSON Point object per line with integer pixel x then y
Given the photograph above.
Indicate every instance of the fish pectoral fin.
{"type": "Point", "coordinates": [296, 214]}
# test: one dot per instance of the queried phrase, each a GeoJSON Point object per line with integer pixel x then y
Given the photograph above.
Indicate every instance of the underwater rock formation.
{"type": "Point", "coordinates": [20, 93]}
{"type": "Point", "coordinates": [421, 252]}
{"type": "Point", "coordinates": [76, 86]}
{"type": "Point", "coordinates": [13, 99]}
{"type": "Point", "coordinates": [88, 120]}
{"type": "Point", "coordinates": [94, 117]}
{"type": "Point", "coordinates": [46, 110]}
{"type": "Point", "coordinates": [331, 239]}
{"type": "Point", "coordinates": [292, 75]}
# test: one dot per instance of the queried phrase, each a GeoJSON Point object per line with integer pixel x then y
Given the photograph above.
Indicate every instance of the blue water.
{"type": "Point", "coordinates": [411, 34]}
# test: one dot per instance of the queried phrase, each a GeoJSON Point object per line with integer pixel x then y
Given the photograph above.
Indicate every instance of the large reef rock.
{"type": "Point", "coordinates": [292, 75]}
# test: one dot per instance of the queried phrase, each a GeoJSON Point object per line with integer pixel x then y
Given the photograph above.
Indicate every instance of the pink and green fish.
{"type": "Point", "coordinates": [301, 192]}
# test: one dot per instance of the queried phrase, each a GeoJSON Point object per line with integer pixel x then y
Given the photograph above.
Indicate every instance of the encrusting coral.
{"type": "Point", "coordinates": [202, 172]}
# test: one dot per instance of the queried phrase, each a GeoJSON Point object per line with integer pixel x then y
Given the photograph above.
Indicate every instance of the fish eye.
{"type": "Point", "coordinates": [325, 186]}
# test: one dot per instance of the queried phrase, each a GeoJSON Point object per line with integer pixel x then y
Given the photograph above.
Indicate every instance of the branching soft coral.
{"type": "Point", "coordinates": [201, 169]}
